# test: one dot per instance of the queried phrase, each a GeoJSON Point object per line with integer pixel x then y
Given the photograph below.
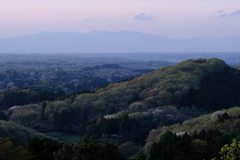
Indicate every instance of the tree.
{"type": "Point", "coordinates": [154, 151]}
{"type": "Point", "coordinates": [43, 148]}
{"type": "Point", "coordinates": [65, 153]}
{"type": "Point", "coordinates": [124, 125]}
{"type": "Point", "coordinates": [44, 105]}
{"type": "Point", "coordinates": [140, 156]}
{"type": "Point", "coordinates": [223, 117]}
{"type": "Point", "coordinates": [91, 149]}
{"type": "Point", "coordinates": [9, 152]}
{"type": "Point", "coordinates": [3, 116]}
{"type": "Point", "coordinates": [230, 152]}
{"type": "Point", "coordinates": [198, 149]}
{"type": "Point", "coordinates": [129, 148]}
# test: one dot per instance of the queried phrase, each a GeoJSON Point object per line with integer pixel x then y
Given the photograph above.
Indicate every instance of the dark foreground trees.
{"type": "Point", "coordinates": [50, 149]}
{"type": "Point", "coordinates": [8, 151]}
{"type": "Point", "coordinates": [198, 146]}
{"type": "Point", "coordinates": [88, 149]}
{"type": "Point", "coordinates": [91, 149]}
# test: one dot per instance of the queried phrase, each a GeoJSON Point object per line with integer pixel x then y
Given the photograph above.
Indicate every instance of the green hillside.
{"type": "Point", "coordinates": [18, 134]}
{"type": "Point", "coordinates": [167, 96]}
{"type": "Point", "coordinates": [214, 129]}
{"type": "Point", "coordinates": [138, 111]}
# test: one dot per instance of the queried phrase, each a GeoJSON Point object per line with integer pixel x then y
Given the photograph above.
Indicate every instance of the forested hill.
{"type": "Point", "coordinates": [166, 86]}
{"type": "Point", "coordinates": [18, 134]}
{"type": "Point", "coordinates": [125, 112]}
{"type": "Point", "coordinates": [196, 139]}
{"type": "Point", "coordinates": [132, 108]}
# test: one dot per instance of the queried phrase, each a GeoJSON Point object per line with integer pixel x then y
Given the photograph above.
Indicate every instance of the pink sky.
{"type": "Point", "coordinates": [169, 18]}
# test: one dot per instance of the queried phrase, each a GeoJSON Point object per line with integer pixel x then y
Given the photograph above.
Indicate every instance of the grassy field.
{"type": "Point", "coordinates": [69, 138]}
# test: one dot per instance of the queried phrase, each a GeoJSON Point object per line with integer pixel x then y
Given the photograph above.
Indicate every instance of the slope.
{"type": "Point", "coordinates": [139, 98]}
{"type": "Point", "coordinates": [18, 134]}
{"type": "Point", "coordinates": [216, 129]}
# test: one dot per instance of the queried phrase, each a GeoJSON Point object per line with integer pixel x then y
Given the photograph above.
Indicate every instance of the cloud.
{"type": "Point", "coordinates": [143, 17]}
{"type": "Point", "coordinates": [89, 20]}
{"type": "Point", "coordinates": [224, 15]}
{"type": "Point", "coordinates": [233, 14]}
{"type": "Point", "coordinates": [237, 13]}
{"type": "Point", "coordinates": [220, 11]}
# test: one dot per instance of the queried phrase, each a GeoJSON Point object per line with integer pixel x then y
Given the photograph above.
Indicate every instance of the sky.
{"type": "Point", "coordinates": [168, 18]}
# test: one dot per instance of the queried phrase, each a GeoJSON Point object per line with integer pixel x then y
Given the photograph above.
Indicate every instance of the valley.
{"type": "Point", "coordinates": [130, 103]}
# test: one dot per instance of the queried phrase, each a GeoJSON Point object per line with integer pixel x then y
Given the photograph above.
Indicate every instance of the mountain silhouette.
{"type": "Point", "coordinates": [114, 42]}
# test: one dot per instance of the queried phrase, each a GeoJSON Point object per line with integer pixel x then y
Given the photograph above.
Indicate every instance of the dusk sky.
{"type": "Point", "coordinates": [169, 18]}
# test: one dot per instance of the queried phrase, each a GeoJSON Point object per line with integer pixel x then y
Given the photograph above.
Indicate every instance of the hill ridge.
{"type": "Point", "coordinates": [114, 42]}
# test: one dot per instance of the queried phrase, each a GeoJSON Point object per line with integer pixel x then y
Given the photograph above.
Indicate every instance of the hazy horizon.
{"type": "Point", "coordinates": [172, 19]}
{"type": "Point", "coordinates": [31, 34]}
{"type": "Point", "coordinates": [114, 42]}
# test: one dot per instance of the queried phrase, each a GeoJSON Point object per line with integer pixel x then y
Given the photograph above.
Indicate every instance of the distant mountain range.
{"type": "Point", "coordinates": [114, 42]}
